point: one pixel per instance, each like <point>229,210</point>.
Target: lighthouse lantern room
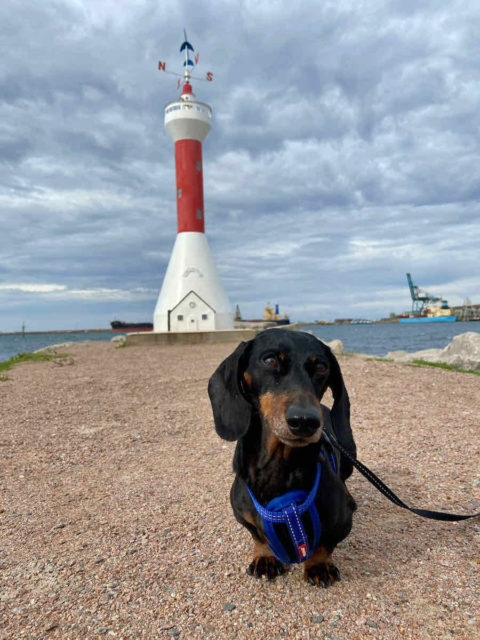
<point>192,296</point>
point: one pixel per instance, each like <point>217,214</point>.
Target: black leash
<point>382,487</point>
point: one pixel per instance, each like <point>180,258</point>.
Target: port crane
<point>421,299</point>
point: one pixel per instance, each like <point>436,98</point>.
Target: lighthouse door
<point>192,323</point>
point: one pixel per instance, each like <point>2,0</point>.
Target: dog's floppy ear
<point>340,415</point>
<point>231,410</point>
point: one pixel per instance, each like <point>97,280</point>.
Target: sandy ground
<point>115,520</point>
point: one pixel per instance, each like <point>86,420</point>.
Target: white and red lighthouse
<point>192,297</point>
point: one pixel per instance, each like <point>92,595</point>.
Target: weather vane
<point>189,64</point>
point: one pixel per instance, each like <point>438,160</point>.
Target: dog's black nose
<point>303,421</point>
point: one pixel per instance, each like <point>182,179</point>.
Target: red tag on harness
<point>302,550</point>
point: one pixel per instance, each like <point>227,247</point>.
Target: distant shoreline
<point>36,333</point>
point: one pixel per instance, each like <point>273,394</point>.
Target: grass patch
<point>378,359</point>
<point>3,377</point>
<point>443,365</point>
<point>29,357</point>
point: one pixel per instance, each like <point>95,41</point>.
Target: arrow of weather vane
<point>189,64</point>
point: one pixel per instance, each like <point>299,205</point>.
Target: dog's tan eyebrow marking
<point>282,356</point>
<point>248,378</point>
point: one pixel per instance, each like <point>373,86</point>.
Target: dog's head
<point>281,375</point>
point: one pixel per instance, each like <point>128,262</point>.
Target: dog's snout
<point>303,421</point>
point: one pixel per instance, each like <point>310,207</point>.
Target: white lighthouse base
<point>192,297</point>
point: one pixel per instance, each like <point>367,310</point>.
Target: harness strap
<point>382,487</point>
<point>284,510</point>
<point>273,516</point>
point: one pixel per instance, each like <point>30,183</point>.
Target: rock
<point>63,362</point>
<point>430,355</point>
<point>54,348</point>
<point>228,606</point>
<point>118,340</point>
<point>51,627</point>
<point>335,345</point>
<point>395,355</point>
<point>318,619</point>
<point>463,352</point>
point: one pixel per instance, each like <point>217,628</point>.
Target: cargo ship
<point>429,319</point>
<point>118,325</point>
<point>271,317</point>
<point>426,307</point>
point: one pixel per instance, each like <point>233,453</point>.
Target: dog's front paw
<point>267,566</point>
<point>322,574</point>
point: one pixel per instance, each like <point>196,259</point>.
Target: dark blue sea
<point>379,339</point>
<point>11,345</point>
<point>375,339</point>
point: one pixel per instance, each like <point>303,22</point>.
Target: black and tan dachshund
<point>289,490</point>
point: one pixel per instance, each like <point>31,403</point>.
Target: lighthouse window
<point>179,193</point>
<point>180,318</point>
<point>199,166</point>
<point>204,316</point>
<point>199,214</point>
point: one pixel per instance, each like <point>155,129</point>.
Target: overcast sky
<point>344,152</point>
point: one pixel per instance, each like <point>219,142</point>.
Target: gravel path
<point>115,520</point>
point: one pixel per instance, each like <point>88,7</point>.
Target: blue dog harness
<point>290,514</point>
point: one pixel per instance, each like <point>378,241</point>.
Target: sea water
<point>12,345</point>
<point>374,339</point>
<point>379,339</point>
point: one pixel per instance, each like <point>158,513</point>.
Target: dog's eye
<point>270,361</point>
<point>320,367</point>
